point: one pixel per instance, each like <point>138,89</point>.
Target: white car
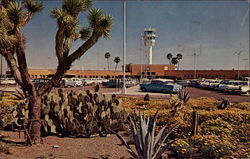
<point>237,87</point>
<point>68,83</point>
<point>89,81</point>
<point>245,89</point>
<point>7,81</point>
<point>223,84</point>
<point>214,83</point>
<point>78,81</point>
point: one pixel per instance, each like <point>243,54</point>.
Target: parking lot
<point>135,91</point>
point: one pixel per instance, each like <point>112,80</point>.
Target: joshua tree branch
<point>23,68</point>
<point>66,63</point>
<point>59,41</point>
<point>84,47</point>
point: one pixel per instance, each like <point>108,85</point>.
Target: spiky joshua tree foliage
<point>14,16</point>
<point>147,144</point>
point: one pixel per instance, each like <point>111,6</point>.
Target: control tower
<point>149,41</point>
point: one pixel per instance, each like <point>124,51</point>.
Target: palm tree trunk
<point>115,67</point>
<point>108,63</point>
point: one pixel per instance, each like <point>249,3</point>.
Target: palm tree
<point>179,57</point>
<point>14,16</point>
<point>169,57</point>
<point>116,60</point>
<point>107,56</point>
<point>174,60</point>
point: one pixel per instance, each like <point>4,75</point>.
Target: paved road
<point>194,92</point>
<point>135,91</point>
<point>199,92</point>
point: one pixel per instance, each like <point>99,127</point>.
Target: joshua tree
<point>169,57</point>
<point>14,16</point>
<point>179,57</point>
<point>107,56</point>
<point>116,60</point>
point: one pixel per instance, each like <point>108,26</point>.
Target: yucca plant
<point>147,145</point>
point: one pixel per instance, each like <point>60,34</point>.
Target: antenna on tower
<point>238,56</point>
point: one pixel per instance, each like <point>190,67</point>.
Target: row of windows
<point>205,76</point>
<point>149,73</point>
<point>79,76</point>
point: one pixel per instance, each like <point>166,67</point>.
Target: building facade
<point>45,73</point>
<point>144,71</point>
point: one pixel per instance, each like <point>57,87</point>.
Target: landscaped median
<point>214,132</point>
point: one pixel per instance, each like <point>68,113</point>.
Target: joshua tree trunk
<point>35,123</point>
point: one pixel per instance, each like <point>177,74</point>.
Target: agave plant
<point>147,145</point>
<point>178,103</point>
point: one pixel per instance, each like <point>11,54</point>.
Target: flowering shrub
<point>242,132</point>
<point>218,130</point>
<point>181,148</point>
<point>212,146</point>
<point>216,127</point>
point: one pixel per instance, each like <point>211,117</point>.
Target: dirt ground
<point>69,148</point>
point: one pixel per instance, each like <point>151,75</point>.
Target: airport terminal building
<point>144,71</point>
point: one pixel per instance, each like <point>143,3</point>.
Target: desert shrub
<point>181,148</point>
<point>216,127</point>
<point>212,146</point>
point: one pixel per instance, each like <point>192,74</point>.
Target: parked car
<point>222,85</point>
<point>118,83</point>
<point>213,84</point>
<point>245,89</point>
<point>184,83</point>
<point>236,87</point>
<point>67,83</point>
<point>194,83</point>
<point>38,82</point>
<point>90,81</point>
<point>206,83</point>
<point>7,81</point>
<point>161,85</point>
<point>113,83</point>
<point>78,81</point>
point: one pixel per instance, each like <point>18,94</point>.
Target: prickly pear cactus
<point>81,114</point>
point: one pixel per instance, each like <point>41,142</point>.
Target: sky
<point>221,28</point>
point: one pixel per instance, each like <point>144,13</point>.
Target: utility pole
<point>195,55</point>
<point>238,58</point>
<point>124,44</point>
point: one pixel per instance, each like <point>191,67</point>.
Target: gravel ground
<point>69,148</point>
